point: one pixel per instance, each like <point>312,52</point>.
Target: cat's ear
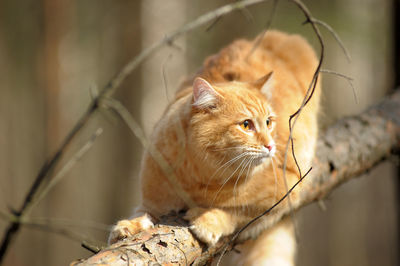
<point>265,84</point>
<point>204,95</point>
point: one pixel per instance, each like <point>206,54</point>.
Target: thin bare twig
<point>151,148</point>
<point>164,75</point>
<point>267,26</point>
<point>65,169</point>
<point>49,226</point>
<point>335,35</point>
<point>202,20</point>
<point>347,78</point>
<point>44,172</point>
<point>292,121</point>
<point>77,237</point>
<point>19,217</point>
<point>244,11</point>
<point>311,89</point>
<point>247,14</point>
<point>213,24</point>
<point>310,92</point>
<point>90,247</point>
<point>236,235</point>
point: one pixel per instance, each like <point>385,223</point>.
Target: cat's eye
<point>269,121</point>
<point>247,125</point>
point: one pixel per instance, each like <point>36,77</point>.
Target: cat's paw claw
<point>205,235</point>
<point>127,228</point>
<point>204,225</point>
<point>120,231</point>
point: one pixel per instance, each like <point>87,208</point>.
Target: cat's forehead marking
<point>249,104</point>
<point>253,111</point>
<point>269,111</point>
<point>257,107</point>
<point>247,112</point>
<point>259,104</point>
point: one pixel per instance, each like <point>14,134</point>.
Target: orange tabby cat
<point>225,135</point>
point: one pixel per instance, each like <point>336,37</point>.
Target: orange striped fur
<point>225,135</point>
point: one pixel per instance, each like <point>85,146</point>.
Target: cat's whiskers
<point>228,148</point>
<point>252,155</point>
<point>205,158</point>
<point>244,166</point>
<point>225,166</point>
<point>237,179</point>
<point>227,179</point>
<point>218,163</point>
<point>253,150</point>
<point>249,166</point>
<point>221,161</point>
<point>276,178</point>
<point>246,205</point>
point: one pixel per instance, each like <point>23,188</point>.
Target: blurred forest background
<point>54,52</point>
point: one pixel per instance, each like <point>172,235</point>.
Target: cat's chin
<point>262,161</point>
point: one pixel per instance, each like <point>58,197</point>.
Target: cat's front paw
<point>208,224</point>
<point>127,228</point>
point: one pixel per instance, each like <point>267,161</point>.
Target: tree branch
<point>346,150</point>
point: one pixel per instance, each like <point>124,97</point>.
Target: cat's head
<point>232,124</point>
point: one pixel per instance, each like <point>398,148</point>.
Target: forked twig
<point>236,235</point>
<point>292,121</point>
<point>267,26</point>
<point>151,148</point>
<point>347,78</point>
<point>311,89</point>
<point>202,20</point>
<point>310,92</point>
<point>335,35</point>
<point>164,76</point>
<point>48,226</point>
<point>213,24</point>
<point>44,172</point>
<point>57,177</point>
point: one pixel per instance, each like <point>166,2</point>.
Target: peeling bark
<point>346,150</point>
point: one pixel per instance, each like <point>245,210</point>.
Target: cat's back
<point>290,56</point>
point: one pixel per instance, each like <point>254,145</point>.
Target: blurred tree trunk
<point>347,233</point>
<point>22,115</point>
<point>162,72</point>
<point>396,78</point>
<point>51,53</point>
<point>95,40</point>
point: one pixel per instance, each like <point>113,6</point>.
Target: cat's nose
<point>269,147</point>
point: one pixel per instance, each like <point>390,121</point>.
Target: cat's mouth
<point>259,156</point>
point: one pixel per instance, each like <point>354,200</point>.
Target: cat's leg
<point>140,221</point>
<point>209,225</point>
<point>274,247</point>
